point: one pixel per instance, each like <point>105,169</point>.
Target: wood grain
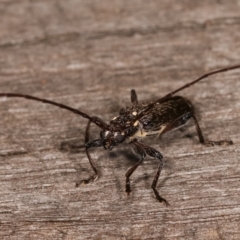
<point>89,55</point>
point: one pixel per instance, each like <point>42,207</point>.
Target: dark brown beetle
<point>138,121</point>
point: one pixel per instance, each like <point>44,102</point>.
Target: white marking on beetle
<point>136,123</point>
<point>134,113</point>
<point>141,133</point>
<point>106,133</point>
<point>116,133</point>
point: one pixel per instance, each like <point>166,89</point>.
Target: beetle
<point>136,122</point>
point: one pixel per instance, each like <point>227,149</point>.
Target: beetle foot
<point>219,143</point>
<point>159,198</point>
<point>128,189</point>
<point>87,181</point>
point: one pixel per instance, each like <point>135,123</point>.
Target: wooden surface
<point>89,55</point>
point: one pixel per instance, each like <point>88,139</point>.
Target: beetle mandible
<point>136,122</point>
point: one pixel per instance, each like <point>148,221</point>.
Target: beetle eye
<point>120,138</point>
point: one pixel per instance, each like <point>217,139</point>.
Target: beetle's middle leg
<point>208,143</point>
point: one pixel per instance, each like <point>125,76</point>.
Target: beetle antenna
<point>99,122</point>
<point>141,114</point>
<point>197,80</point>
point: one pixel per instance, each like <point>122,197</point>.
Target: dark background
<point>89,55</point>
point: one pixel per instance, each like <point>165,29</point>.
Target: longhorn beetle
<point>136,122</point>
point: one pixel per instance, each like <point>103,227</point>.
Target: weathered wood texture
<point>89,54</point>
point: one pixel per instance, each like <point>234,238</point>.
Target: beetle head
<point>111,139</point>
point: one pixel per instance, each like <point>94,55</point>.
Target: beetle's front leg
<point>209,143</point>
<point>94,143</point>
<point>144,149</point>
<point>155,154</point>
<point>139,150</point>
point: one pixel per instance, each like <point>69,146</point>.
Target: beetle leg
<point>143,149</point>
<point>134,98</point>
<point>155,154</point>
<point>139,150</point>
<point>209,143</point>
<point>94,143</point>
<point>87,132</point>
